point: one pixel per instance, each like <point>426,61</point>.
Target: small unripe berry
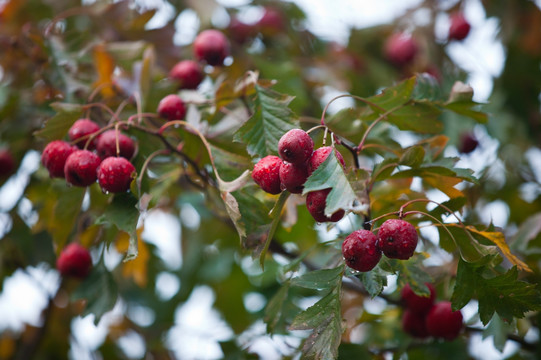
<point>400,49</point>
<point>320,155</point>
<point>293,177</point>
<point>295,146</point>
<point>459,28</point>
<point>316,202</point>
<point>81,168</point>
<point>443,322</point>
<point>74,261</point>
<point>361,251</point>
<point>211,46</point>
<point>414,324</point>
<point>7,163</point>
<point>54,157</point>
<point>172,107</point>
<point>416,303</point>
<point>187,74</point>
<point>82,128</point>
<point>397,239</point>
<point>266,174</point>
<point>106,146</point>
<point>467,143</point>
<point>115,174</point>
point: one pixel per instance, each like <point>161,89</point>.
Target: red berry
<point>316,202</point>
<point>400,49</point>
<point>211,46</point>
<point>414,324</point>
<point>54,157</point>
<point>81,168</point>
<point>320,155</point>
<point>82,128</point>
<point>293,177</point>
<point>106,145</point>
<point>360,250</point>
<point>115,174</point>
<point>295,146</point>
<point>172,107</point>
<point>240,32</point>
<point>459,28</point>
<point>266,174</point>
<point>271,22</point>
<point>7,163</point>
<point>187,73</point>
<point>74,261</point>
<point>443,322</point>
<point>397,239</point>
<point>416,303</point>
<point>468,143</point>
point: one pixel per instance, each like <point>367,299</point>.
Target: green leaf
<point>465,108</point>
<point>66,211</point>
<point>413,156</point>
<point>394,96</point>
<point>57,127</point>
<point>410,272</point>
<point>275,215</point>
<point>100,291</point>
<point>319,279</point>
<point>373,281</point>
<point>417,116</point>
<point>272,119</point>
<point>498,330</point>
<point>330,174</point>
<point>275,308</point>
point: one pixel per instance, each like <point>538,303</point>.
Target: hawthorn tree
<point>321,214</point>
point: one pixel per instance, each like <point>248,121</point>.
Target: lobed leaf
<point>57,127</point>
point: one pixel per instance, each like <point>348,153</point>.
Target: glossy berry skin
<point>414,324</point>
<point>295,146</point>
<point>74,261</point>
<point>7,163</point>
<point>316,202</point>
<point>106,146</point>
<point>187,74</point>
<point>459,28</point>
<point>416,303</point>
<point>397,239</point>
<point>468,143</point>
<point>266,174</point>
<point>443,322</point>
<point>54,157</point>
<point>81,168</point>
<point>361,251</point>
<point>320,155</point>
<point>172,107</point>
<point>400,49</point>
<point>293,177</point>
<point>115,174</point>
<point>211,46</point>
<point>81,128</point>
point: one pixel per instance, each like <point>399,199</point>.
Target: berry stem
<point>139,180</point>
<point>434,202</point>
<point>374,123</point>
<point>351,96</point>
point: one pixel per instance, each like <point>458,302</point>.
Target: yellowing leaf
<point>499,239</point>
<point>137,268</point>
<point>105,66</point>
<point>446,184</point>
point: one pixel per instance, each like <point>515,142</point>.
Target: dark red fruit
<point>397,239</point>
<point>443,322</point>
<point>400,49</point>
<point>54,157</point>
<point>82,128</point>
<point>295,146</point>
<point>414,324</point>
<point>361,251</point>
<point>416,303</point>
<point>240,32</point>
<point>293,177</point>
<point>211,46</point>
<point>74,261</point>
<point>7,163</point>
<point>459,28</point>
<point>106,145</point>
<point>316,202</point>
<point>272,22</point>
<point>81,168</point>
<point>266,174</point>
<point>172,107</point>
<point>115,174</point>
<point>468,143</point>
<point>187,74</point>
<point>320,155</point>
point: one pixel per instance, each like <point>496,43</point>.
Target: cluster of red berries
<point>396,239</point>
<point>99,161</point>
<point>423,317</point>
<point>296,163</point>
